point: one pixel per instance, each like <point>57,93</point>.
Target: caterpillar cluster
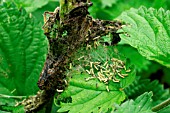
<point>110,70</point>
<point>107,71</point>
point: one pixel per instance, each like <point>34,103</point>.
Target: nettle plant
<point>79,64</point>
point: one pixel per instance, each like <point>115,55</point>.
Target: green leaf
<point>99,12</point>
<point>31,5</point>
<point>122,5</point>
<point>139,86</point>
<point>48,7</point>
<point>104,54</point>
<point>149,32</point>
<point>94,95</point>
<point>165,110</point>
<point>108,3</point>
<point>23,50</point>
<point>54,107</point>
<point>140,62</point>
<point>90,96</point>
<point>142,104</point>
<point>13,109</point>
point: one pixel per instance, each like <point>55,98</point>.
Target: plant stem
<point>13,97</point>
<point>161,105</point>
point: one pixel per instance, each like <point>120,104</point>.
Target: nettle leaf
<point>139,86</point>
<point>140,62</point>
<point>149,32</point>
<point>5,98</point>
<point>165,110</point>
<point>13,109</point>
<point>48,7</point>
<point>31,5</point>
<point>94,95</point>
<point>141,104</point>
<point>115,9</point>
<point>90,96</point>
<point>100,12</point>
<point>23,50</point>
<point>108,3</point>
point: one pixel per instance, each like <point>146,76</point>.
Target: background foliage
<point>23,49</point>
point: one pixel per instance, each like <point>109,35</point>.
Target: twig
<point>161,105</point>
<point>13,97</point>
